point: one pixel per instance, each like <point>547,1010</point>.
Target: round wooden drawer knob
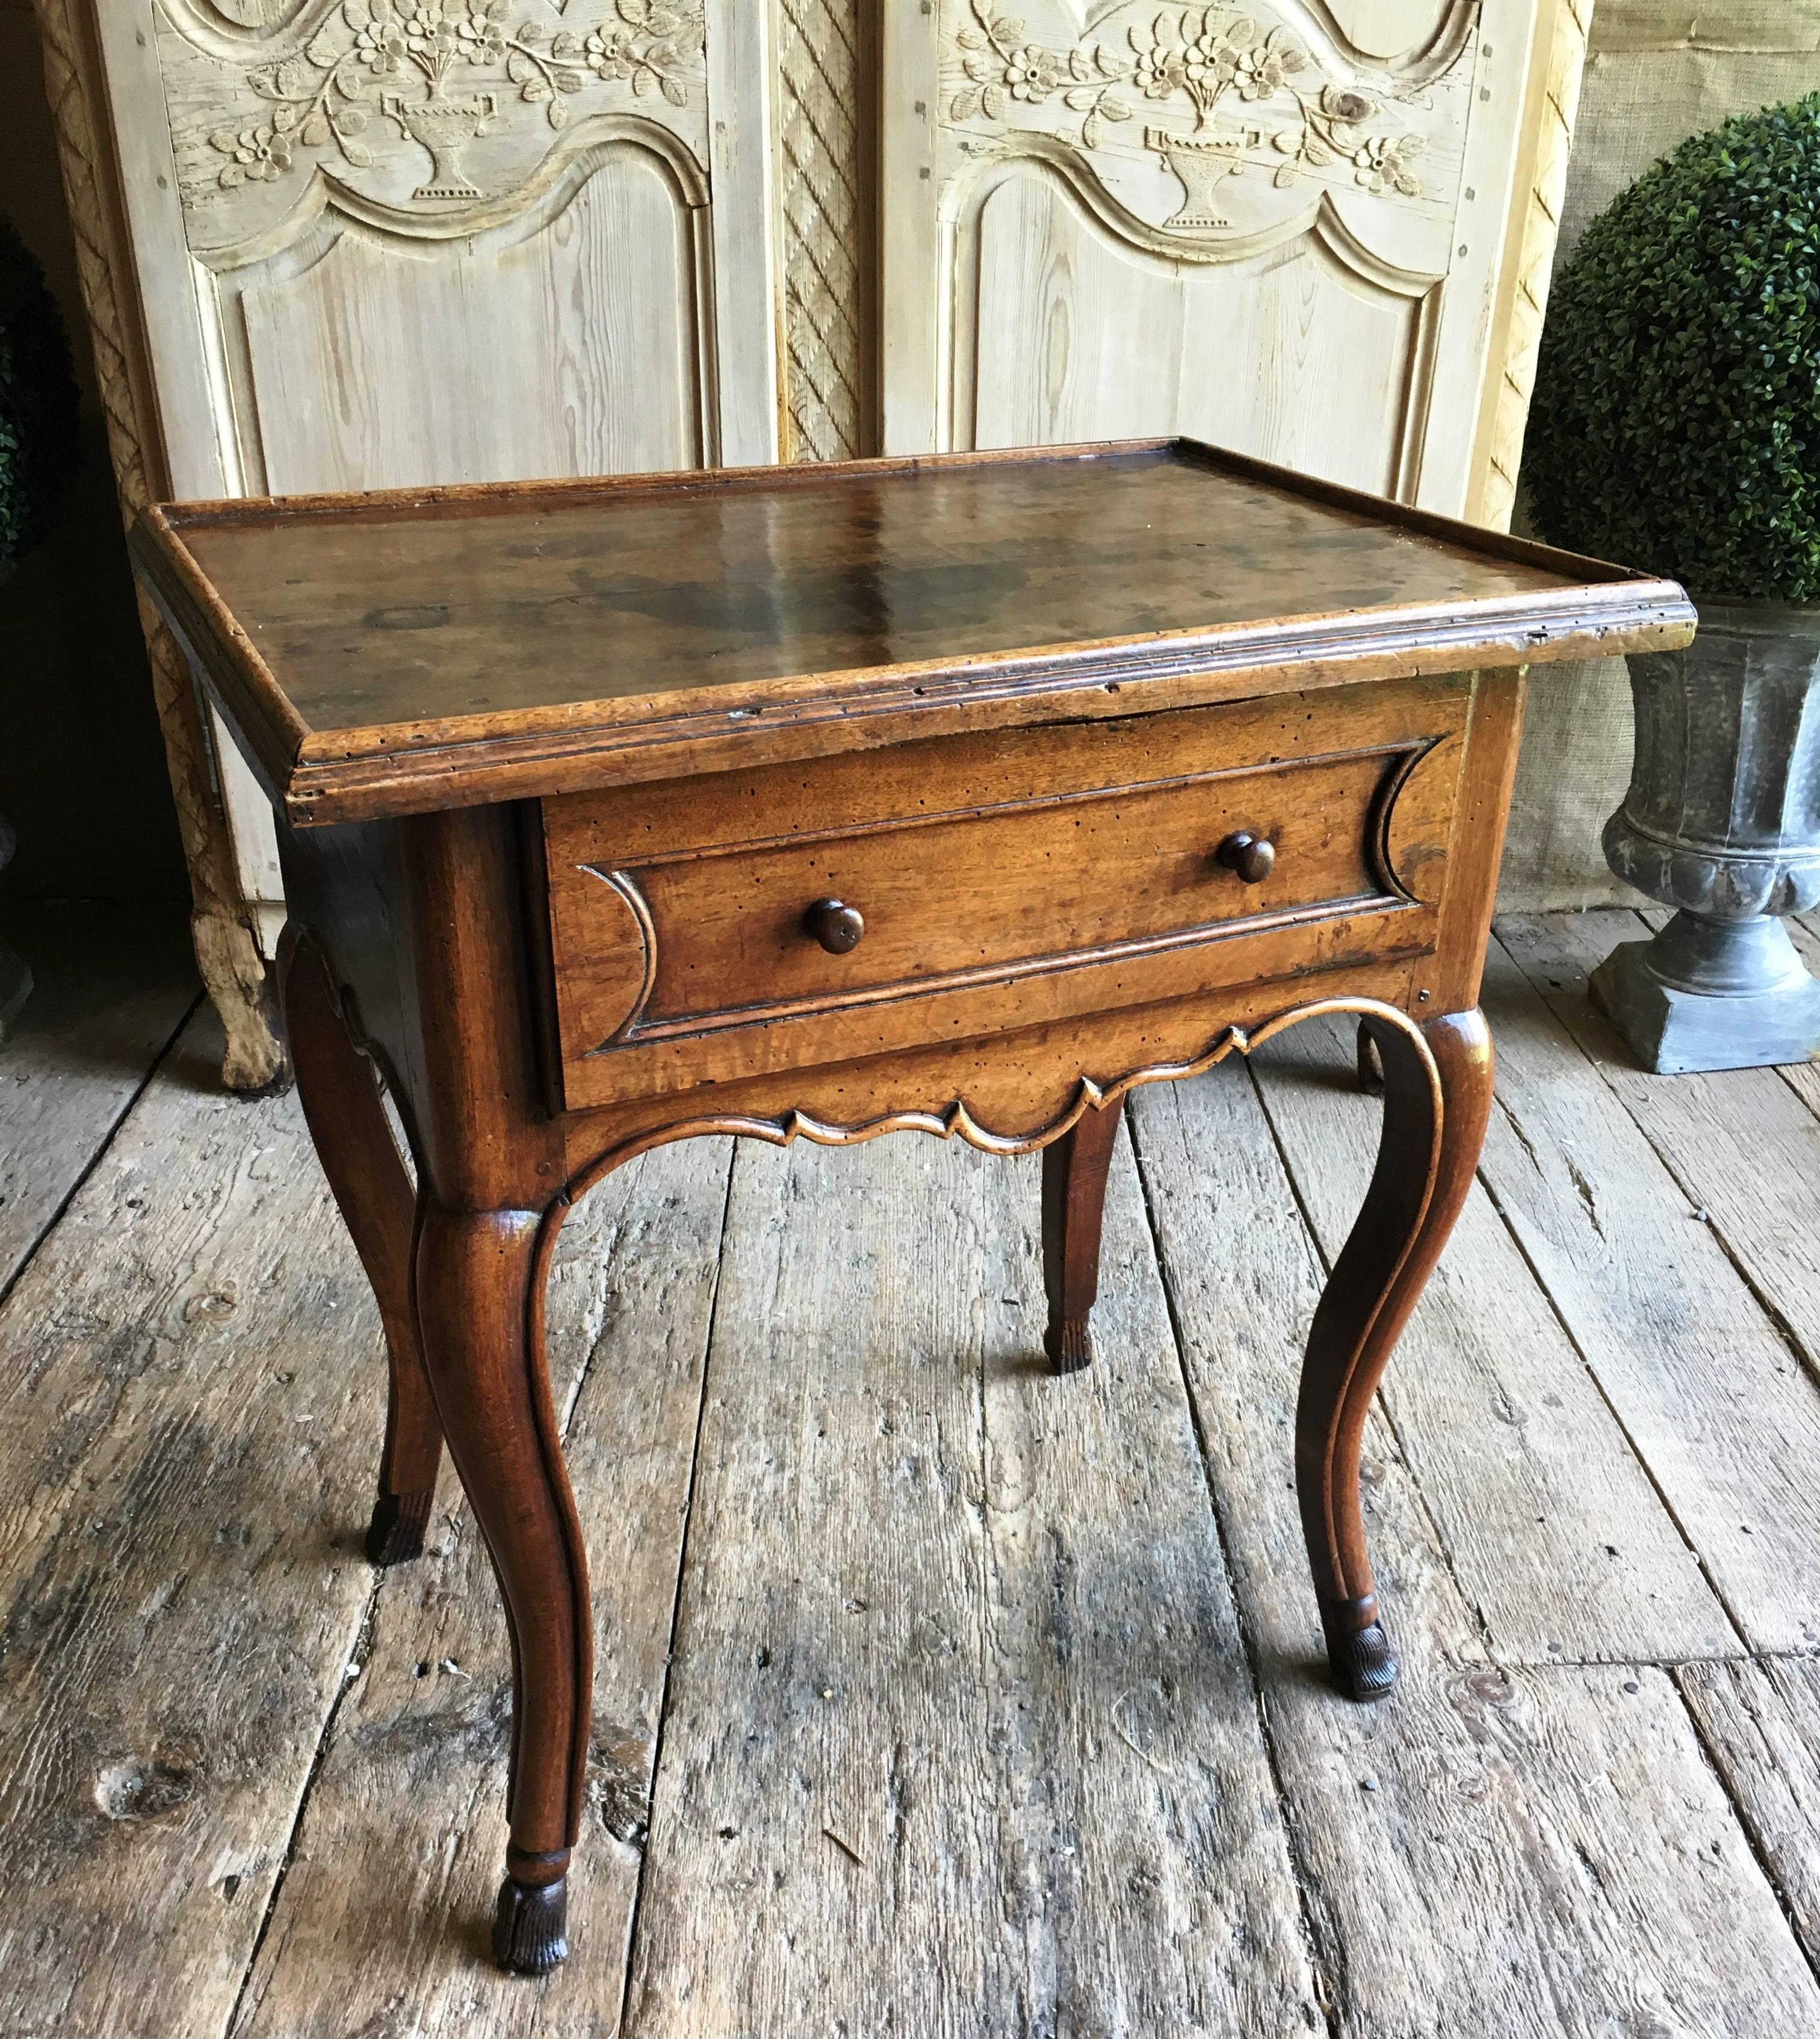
<point>837,926</point>
<point>1252,856</point>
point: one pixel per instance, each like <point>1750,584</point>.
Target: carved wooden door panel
<point>384,242</point>
<point>1293,227</point>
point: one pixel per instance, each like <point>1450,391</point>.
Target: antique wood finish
<point>407,651</point>
<point>1437,1098</point>
<point>680,914</point>
<point>752,805</point>
<point>339,1087</point>
<point>1073,1205</point>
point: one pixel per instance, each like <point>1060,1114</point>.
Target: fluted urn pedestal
<point>1722,822</point>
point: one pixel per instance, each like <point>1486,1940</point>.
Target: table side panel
<point>1449,983</point>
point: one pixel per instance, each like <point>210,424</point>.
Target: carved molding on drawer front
<point>642,962</point>
<point>637,978</point>
<point>1387,856</point>
<point>954,1118</point>
<point>1414,824</point>
<point>420,105</point>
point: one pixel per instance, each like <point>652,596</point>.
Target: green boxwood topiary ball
<point>38,401</point>
<point>1676,425</point>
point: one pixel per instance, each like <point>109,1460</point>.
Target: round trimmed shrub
<point>38,401</point>
<point>1676,425</point>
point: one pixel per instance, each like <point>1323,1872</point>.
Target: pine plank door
<point>379,243</point>
<point>1317,231</point>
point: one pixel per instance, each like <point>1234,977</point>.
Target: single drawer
<point>799,915</point>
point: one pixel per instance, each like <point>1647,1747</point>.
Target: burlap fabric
<point>1657,71</point>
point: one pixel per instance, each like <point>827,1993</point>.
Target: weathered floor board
<point>191,1388</point>
<point>1714,1403</point>
<point>1804,1079</point>
<point>1742,1143</point>
<point>1552,1528</point>
<point>997,1705</point>
<point>114,984</point>
<point>961,1739</point>
<point>1494,1851</point>
<point>1762,1723</point>
<point>402,1839</point>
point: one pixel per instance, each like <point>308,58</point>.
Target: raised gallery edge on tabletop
<point>1540,604</point>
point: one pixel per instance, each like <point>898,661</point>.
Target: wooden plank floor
<point>935,1696</point>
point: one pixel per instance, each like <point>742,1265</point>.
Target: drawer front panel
<point>1054,870</point>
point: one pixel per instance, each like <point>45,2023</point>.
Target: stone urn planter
<point>1677,427</point>
<point>1723,822</point>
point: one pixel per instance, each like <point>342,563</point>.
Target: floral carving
<point>1199,55</point>
<point>327,96</point>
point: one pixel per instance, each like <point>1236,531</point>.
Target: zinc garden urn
<point>1677,427</point>
<point>1723,822</point>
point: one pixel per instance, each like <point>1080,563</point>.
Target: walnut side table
<point>959,795</point>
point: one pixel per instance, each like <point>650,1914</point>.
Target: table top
<point>395,652</point>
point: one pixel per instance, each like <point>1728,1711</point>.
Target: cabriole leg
<point>340,1091</point>
<point>479,1280</point>
<point>1074,1203</point>
<point>1426,1160</point>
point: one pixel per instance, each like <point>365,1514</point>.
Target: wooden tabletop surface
<point>360,635</point>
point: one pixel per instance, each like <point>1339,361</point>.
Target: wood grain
<point>1744,1147</point>
<point>606,294</point>
<point>193,1368</point>
<point>1072,859</point>
<point>1047,954</point>
<point>1056,269</point>
<point>1006,1092</point>
<point>1761,1723</point>
<point>596,313</point>
<point>402,1830</point>
<point>1521,1850</point>
<point>1713,1401</point>
<point>957,1681</point>
<point>1080,337</point>
<point>1493,1850</point>
<point>374,653</point>
<point>1559,1540</point>
<point>114,984</point>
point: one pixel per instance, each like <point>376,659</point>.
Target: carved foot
<point>1070,1345</point>
<point>1363,1664</point>
<point>531,1927</point>
<point>395,1535</point>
